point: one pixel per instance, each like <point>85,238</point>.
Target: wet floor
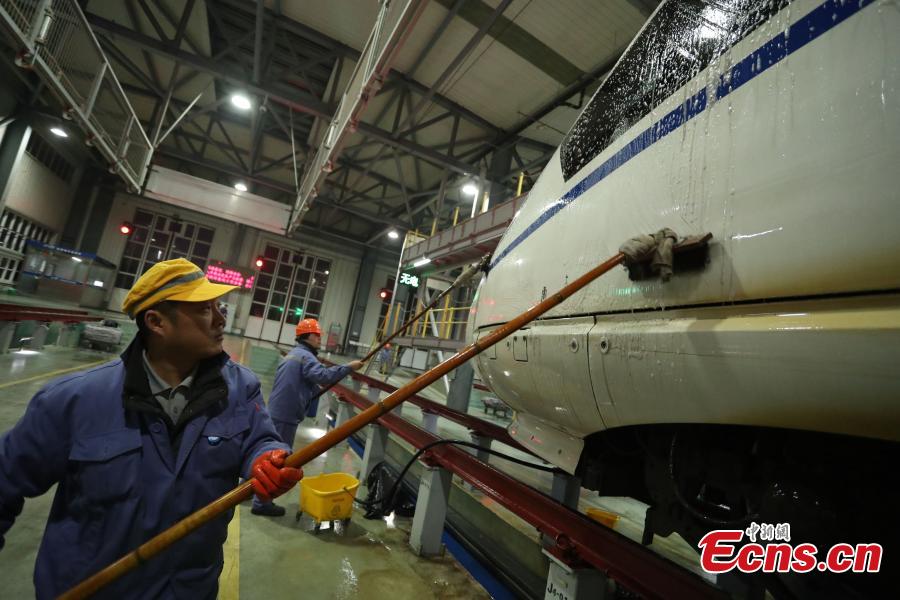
<point>370,559</point>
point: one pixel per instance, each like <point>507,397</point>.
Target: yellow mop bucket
<point>328,497</point>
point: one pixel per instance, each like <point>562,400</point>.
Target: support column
<point>566,489</point>
<point>99,215</point>
<point>429,422</point>
<point>334,458</point>
<point>374,396</point>
<point>79,216</point>
<point>325,403</point>
<point>376,446</point>
<point>344,413</point>
<point>15,138</point>
<point>68,335</point>
<point>39,337</point>
<point>7,329</point>
<point>431,511</point>
<point>484,442</point>
<point>501,161</point>
<point>360,301</point>
<point>461,388</point>
<point>564,582</point>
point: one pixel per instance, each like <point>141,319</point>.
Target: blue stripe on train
<point>820,20</point>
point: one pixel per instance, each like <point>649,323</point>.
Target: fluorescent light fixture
<point>59,132</point>
<point>98,283</point>
<point>422,261</point>
<point>76,259</point>
<point>393,234</point>
<point>240,186</point>
<point>470,189</point>
<point>240,101</point>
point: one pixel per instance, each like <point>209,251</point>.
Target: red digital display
<point>228,276</point>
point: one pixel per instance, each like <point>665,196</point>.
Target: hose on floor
<point>390,495</point>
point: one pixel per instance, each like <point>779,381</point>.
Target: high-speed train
<point>763,382</point>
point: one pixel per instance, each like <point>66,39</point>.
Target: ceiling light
<point>393,234</point>
<point>422,261</point>
<point>240,101</point>
<point>470,189</point>
<point>58,132</point>
<point>76,259</point>
<point>240,186</point>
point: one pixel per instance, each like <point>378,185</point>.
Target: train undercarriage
<point>830,489</point>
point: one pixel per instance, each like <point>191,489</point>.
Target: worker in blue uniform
<point>141,442</point>
<point>297,381</point>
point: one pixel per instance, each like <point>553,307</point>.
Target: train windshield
<point>683,38</point>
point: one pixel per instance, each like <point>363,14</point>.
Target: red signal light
<point>259,262</point>
<point>384,294</point>
<point>126,228</point>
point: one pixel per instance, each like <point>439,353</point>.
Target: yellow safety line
<point>53,373</point>
<point>230,579</point>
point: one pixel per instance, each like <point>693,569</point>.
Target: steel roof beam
<point>317,37</point>
<point>303,102</point>
<point>519,41</point>
<point>258,44</point>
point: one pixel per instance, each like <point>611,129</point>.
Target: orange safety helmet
<point>308,326</point>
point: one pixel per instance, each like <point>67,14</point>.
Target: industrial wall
<point>36,193</point>
<point>238,245</point>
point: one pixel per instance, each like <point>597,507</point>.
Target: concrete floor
<point>264,557</point>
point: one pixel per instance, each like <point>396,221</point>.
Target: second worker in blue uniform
<point>297,382</point>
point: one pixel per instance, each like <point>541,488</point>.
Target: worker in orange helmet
<point>297,381</point>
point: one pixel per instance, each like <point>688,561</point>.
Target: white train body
<point>787,150</point>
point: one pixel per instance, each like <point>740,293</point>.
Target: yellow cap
<point>176,279</point>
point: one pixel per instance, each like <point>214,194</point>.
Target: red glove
<point>270,478</point>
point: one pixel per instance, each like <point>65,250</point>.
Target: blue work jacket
<point>126,472</point>
<point>297,381</point>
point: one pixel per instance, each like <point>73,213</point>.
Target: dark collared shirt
<point>171,400</point>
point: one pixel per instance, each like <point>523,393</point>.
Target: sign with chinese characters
<point>410,280</point>
<point>220,273</point>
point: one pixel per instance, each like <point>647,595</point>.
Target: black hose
<point>393,491</point>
